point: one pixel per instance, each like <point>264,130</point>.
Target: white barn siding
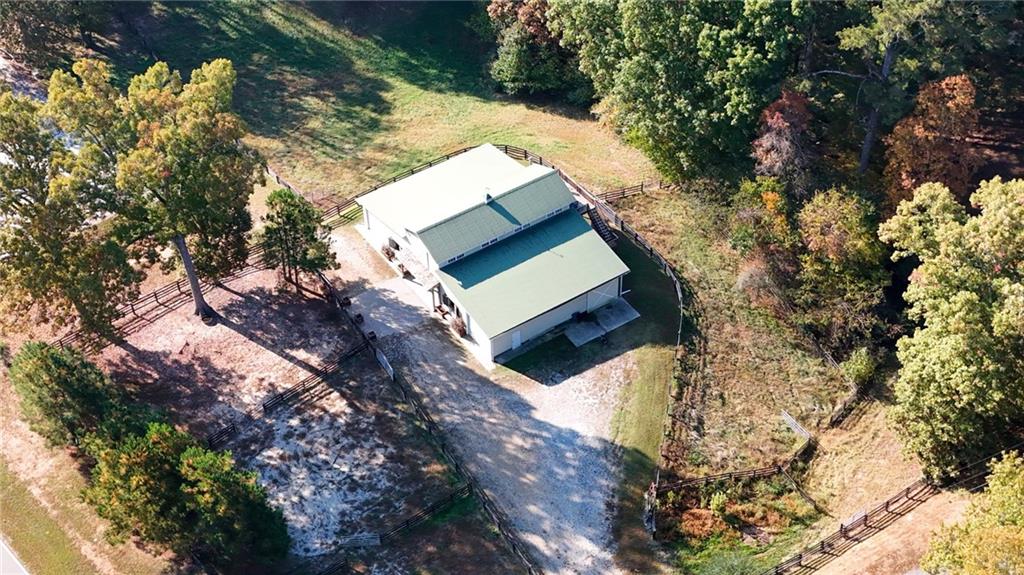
<point>603,294</point>
<point>539,325</point>
<point>593,299</point>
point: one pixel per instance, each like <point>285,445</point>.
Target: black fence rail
<point>427,512</point>
<point>617,194</point>
<point>759,472</point>
<point>801,454</point>
<point>287,397</point>
<point>149,307</point>
<point>849,534</point>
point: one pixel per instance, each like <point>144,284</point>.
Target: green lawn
<point>340,95</point>
<point>30,531</point>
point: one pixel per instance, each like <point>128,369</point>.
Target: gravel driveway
<point>542,451</point>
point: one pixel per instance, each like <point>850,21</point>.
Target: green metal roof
<point>531,272</point>
<point>540,193</point>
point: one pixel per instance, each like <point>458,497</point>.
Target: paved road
<point>9,563</point>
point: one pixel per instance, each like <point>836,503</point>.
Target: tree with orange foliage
<point>930,145</point>
<point>782,150</point>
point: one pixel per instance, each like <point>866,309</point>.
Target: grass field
<point>340,95</point>
<point>755,366</point>
<point>38,540</point>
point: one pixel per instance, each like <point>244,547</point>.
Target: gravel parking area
<point>541,449</point>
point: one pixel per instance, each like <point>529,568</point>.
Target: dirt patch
<point>899,547</point>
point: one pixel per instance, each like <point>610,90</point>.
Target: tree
<point>64,397</point>
<point>56,258</point>
<point>530,59</point>
<point>33,29</point>
<point>294,238</point>
<point>958,395</point>
<point>167,490</point>
<point>904,42</point>
<point>990,541</point>
<point>685,80</point>
<point>233,517</point>
<point>782,149</point>
<point>931,144</point>
<point>168,160</point>
<point>841,276</point>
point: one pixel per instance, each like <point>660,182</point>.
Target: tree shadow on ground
<point>556,481</point>
<point>289,75</point>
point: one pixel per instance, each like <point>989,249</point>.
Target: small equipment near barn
<point>500,245</point>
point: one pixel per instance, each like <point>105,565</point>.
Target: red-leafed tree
<point>931,144</point>
<point>783,149</point>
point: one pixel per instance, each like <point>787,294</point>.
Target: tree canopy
<point>990,540</point>
<point>166,158</point>
<point>172,493</point>
<point>294,238</point>
<point>958,394</point>
<point>64,397</point>
<point>686,80</point>
<point>931,144</point>
<point>841,275</point>
<point>59,259</point>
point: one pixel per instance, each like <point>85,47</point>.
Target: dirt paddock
<point>347,459</point>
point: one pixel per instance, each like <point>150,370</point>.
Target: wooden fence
<point>427,512</point>
<point>434,432</point>
<point>614,195</point>
<point>851,533</point>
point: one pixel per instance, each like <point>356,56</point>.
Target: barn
<point>498,244</point>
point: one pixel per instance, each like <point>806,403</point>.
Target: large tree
<point>841,277</point>
<point>685,80</point>
<point>931,144</point>
<point>171,493</point>
<point>959,392</point>
<point>901,43</point>
<point>783,147</point>
<point>294,238</point>
<point>59,257</point>
<point>990,540</point>
<point>167,159</point>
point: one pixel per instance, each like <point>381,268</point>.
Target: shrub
<point>718,501</point>
<point>172,493</point>
<point>701,524</point>
<point>64,397</point>
<point>859,367</point>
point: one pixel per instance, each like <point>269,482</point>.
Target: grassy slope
<point>756,366</point>
<point>38,540</point>
<point>342,95</point>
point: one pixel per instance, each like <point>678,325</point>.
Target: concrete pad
<point>390,306</point>
<point>616,314</point>
<point>580,332</point>
<point>610,317</point>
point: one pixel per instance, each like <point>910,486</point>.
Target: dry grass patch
<point>754,366</point>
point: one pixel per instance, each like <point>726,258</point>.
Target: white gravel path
<point>541,449</point>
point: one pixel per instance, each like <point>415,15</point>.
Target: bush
<point>859,367</point>
<point>64,397</point>
<point>524,66</point>
<point>718,501</point>
<point>172,493</point>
